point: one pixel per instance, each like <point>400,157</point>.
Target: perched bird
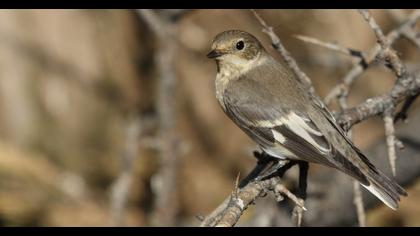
<point>265,99</point>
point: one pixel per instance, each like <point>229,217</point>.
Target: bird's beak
<point>214,54</point>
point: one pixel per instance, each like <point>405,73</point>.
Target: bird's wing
<point>275,124</point>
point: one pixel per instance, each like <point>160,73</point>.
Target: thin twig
<point>358,202</point>
<point>229,212</point>
<point>382,40</point>
<point>333,46</point>
<point>388,53</point>
<point>390,140</point>
<point>120,188</point>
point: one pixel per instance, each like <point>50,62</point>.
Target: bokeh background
<point>74,84</point>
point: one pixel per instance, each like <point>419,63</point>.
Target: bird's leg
<point>274,166</point>
<point>263,161</point>
<point>301,192</point>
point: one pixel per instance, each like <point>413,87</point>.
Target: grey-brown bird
<point>265,99</point>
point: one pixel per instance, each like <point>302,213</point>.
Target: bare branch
<point>387,52</point>
<point>164,182</point>
<point>382,40</point>
<point>402,89</point>
<point>358,68</point>
<point>333,46</point>
<point>390,140</point>
<point>229,212</point>
<point>358,202</point>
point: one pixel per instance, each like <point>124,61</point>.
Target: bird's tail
<point>387,190</point>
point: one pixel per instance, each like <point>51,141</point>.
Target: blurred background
<point>88,136</point>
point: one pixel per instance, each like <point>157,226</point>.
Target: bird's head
<point>235,47</point>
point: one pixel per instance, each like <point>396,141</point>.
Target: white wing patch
<point>279,150</point>
<point>298,125</point>
<point>268,123</point>
<point>302,122</point>
<point>278,137</point>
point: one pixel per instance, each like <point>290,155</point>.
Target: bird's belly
<point>280,152</point>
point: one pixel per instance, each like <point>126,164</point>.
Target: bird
<point>264,98</point>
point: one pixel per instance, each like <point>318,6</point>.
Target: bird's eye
<point>240,45</point>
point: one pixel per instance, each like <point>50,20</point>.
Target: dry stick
<point>229,212</point>
<point>359,68</point>
<point>401,90</point>
<point>400,71</point>
<point>165,181</point>
<point>376,29</point>
<point>390,140</point>
<point>358,202</point>
<point>121,186</point>
<point>333,46</point>
<point>388,53</point>
<point>244,197</point>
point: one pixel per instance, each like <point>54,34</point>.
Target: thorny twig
<point>358,68</point>
<point>398,67</point>
<point>229,212</point>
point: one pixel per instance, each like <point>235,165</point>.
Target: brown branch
<point>387,52</point>
<point>358,68</point>
<point>382,40</point>
<point>229,212</point>
<point>406,85</point>
<point>165,181</point>
<point>333,46</point>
